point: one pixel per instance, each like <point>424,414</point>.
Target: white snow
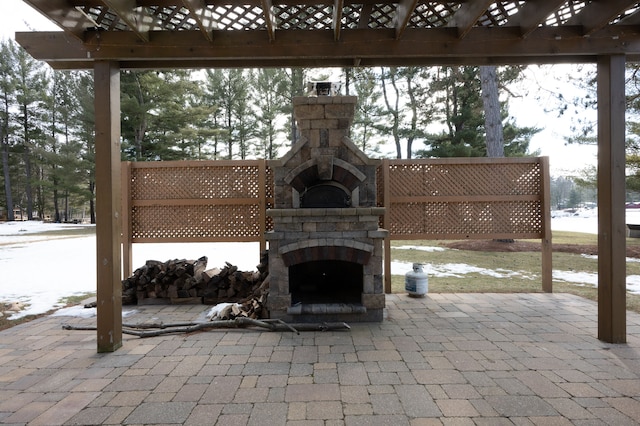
<point>40,270</point>
<point>429,249</point>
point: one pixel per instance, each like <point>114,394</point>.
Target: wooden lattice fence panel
<point>213,201</point>
<point>195,201</point>
<point>463,198</point>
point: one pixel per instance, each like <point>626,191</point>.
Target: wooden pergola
<point>110,35</point>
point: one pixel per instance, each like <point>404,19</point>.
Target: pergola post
<point>612,309</point>
<point>108,205</point>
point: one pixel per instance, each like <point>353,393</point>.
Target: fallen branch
<point>146,330</point>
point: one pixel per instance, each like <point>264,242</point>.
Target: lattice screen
<point>427,199</point>
<point>198,201</point>
<point>196,223</point>
<point>441,199</point>
<point>192,181</point>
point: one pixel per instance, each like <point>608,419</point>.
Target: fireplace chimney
<point>325,250</point>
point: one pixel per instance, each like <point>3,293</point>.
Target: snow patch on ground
<point>41,270</point>
<point>457,270</point>
<point>429,249</point>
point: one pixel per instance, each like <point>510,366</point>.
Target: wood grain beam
<point>365,15</point>
<point>108,205</point>
<point>466,17</point>
<point>269,19</point>
<point>202,15</point>
<point>247,49</point>
<point>597,14</point>
<point>403,13</point>
<point>137,19</point>
<point>532,14</point>
<point>72,20</point>
<point>337,18</point>
<point>632,19</point>
<point>612,276</point>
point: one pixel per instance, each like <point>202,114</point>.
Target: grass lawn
<point>527,264</point>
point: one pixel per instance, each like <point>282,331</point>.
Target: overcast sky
<point>15,15</point>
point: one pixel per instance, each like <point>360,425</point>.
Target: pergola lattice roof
<point>256,33</point>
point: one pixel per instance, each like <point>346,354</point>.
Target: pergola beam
<point>403,14</point>
<point>202,15</point>
<point>74,20</point>
<point>269,19</point>
<point>597,14</point>
<point>532,14</point>
<point>337,18</point>
<point>466,17</point>
<point>483,45</point>
<point>140,22</point>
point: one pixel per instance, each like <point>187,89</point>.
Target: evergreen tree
<point>368,110</point>
<point>7,92</point>
<point>297,78</point>
<point>85,125</point>
<point>31,89</point>
<point>271,89</point>
<point>408,109</point>
<point>459,95</point>
<point>229,90</point>
<point>457,92</point>
<point>155,109</point>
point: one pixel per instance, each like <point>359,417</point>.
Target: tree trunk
<point>92,205</point>
<point>393,110</point>
<point>27,165</point>
<point>7,177</point>
<point>492,117</point>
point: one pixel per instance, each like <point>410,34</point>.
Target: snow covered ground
<point>39,272</point>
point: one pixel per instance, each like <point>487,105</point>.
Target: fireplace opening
<point>327,195</point>
<point>326,281</point>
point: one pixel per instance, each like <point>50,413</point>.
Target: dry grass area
<point>573,252</point>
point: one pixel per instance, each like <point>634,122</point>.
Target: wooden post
<point>612,275</point>
<point>127,249</point>
<point>262,203</point>
<point>386,223</point>
<point>547,250</point>
<point>108,204</point>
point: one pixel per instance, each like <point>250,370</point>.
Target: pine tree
<point>229,91</point>
<point>368,111</point>
<point>31,91</point>
<point>271,89</point>
<point>7,91</point>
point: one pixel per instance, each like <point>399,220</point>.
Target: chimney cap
<point>323,88</point>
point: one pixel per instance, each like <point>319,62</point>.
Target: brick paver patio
<point>452,359</point>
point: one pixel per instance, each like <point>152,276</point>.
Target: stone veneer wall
<point>324,153</point>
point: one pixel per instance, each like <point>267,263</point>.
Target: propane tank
<point>416,282</point>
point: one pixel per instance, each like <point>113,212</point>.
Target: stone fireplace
<point>325,250</point>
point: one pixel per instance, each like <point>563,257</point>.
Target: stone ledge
<point>326,308</point>
<point>323,212</point>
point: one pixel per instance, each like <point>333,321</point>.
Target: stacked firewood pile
<point>189,281</point>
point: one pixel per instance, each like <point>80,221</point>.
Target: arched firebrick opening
<point>325,281</point>
<point>326,274</point>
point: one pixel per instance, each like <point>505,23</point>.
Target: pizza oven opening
<point>326,194</point>
<point>325,281</point>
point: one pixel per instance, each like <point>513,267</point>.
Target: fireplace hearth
<point>325,250</point>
